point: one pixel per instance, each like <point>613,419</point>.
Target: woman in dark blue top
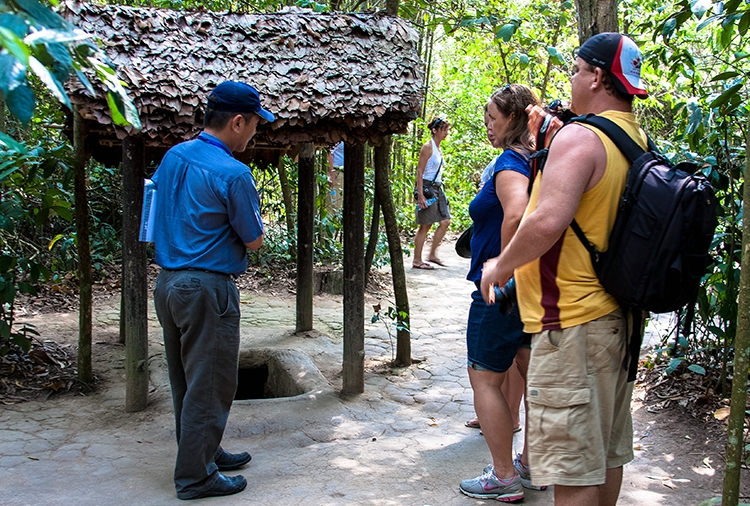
<point>492,337</point>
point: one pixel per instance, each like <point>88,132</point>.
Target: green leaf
<point>699,7</point>
<point>706,22</point>
<point>725,75</point>
<point>697,369</point>
<point>12,72</point>
<point>669,27</point>
<point>673,364</point>
<point>116,108</point>
<point>10,143</point>
<point>47,36</point>
<point>724,97</point>
<point>42,15</point>
<point>696,117</point>
<point>14,45</point>
<point>62,212</point>
<point>85,82</point>
<point>524,60</point>
<point>744,23</point>
<point>21,102</point>
<point>505,32</point>
<point>15,24</point>
<point>50,81</point>
<point>26,288</point>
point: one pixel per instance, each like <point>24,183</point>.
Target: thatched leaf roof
<point>327,77</point>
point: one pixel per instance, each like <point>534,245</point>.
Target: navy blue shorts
<point>492,338</point>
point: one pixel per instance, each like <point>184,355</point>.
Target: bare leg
<point>419,240</point>
<point>522,366</point>
<point>513,389</point>
<point>494,416</point>
<point>436,240</point>
<point>598,495</point>
<point>610,491</point>
<point>576,496</point>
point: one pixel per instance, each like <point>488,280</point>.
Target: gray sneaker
<point>525,474</point>
<point>489,486</point>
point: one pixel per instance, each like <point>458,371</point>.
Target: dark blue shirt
<point>487,214</point>
<point>207,208</point>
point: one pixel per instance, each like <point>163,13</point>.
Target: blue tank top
<point>487,214</point>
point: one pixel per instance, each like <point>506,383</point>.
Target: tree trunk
<point>391,8</point>
<point>286,195</point>
<point>596,16</point>
<point>85,373</point>
<point>735,435</point>
<point>134,290</point>
<point>383,190</point>
<point>372,241</point>
<point>353,373</point>
<point>305,236</point>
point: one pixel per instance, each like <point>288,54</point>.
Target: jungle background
<point>696,66</point>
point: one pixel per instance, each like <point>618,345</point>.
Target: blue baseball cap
<point>232,96</point>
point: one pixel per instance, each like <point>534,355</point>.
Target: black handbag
<point>463,244</point>
<point>427,189</point>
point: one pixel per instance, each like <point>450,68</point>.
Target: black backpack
<point>658,247</point>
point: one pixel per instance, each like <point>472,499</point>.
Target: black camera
<point>505,297</point>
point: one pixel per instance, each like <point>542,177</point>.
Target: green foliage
<point>29,199</point>
<point>700,108</point>
<point>390,318</point>
<point>33,38</point>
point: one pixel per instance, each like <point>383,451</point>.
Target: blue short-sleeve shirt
<point>487,214</point>
<point>207,208</point>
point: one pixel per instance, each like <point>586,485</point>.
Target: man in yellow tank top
<point>580,426</point>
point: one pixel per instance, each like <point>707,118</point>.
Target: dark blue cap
<point>231,96</point>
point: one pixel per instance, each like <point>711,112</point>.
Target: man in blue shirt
<point>207,215</point>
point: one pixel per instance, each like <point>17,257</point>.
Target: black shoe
<point>231,461</point>
<point>225,485</point>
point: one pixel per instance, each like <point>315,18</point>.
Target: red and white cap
<point>618,55</point>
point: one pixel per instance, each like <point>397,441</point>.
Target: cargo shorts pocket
<point>558,392</point>
<point>558,418</point>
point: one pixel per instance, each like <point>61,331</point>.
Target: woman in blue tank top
<point>493,338</point>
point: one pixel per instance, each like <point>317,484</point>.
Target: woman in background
<point>430,175</point>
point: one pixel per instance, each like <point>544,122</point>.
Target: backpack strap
<point>593,252</point>
<point>626,145</point>
<point>622,140</point>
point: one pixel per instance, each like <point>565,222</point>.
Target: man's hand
<point>493,275</point>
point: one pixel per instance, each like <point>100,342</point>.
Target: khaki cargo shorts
<point>579,420</point>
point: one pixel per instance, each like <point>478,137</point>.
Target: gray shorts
<point>437,212</point>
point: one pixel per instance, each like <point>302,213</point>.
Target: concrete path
<point>402,442</point>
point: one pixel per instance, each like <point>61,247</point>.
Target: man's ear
<point>236,122</point>
<point>598,77</point>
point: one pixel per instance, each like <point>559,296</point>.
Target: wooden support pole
<point>134,298</point>
<point>382,161</point>
<point>305,237</point>
<point>85,371</point>
<point>353,373</point>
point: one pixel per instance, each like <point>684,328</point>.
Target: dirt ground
<point>679,443</point>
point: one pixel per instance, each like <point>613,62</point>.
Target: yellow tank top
<point>560,289</point>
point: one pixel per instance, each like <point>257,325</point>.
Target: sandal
<point>437,261</point>
<point>472,424</point>
<point>423,265</point>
